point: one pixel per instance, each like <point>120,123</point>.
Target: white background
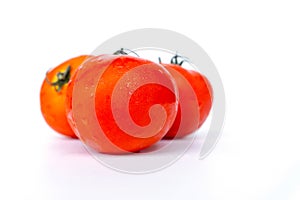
<point>255,46</point>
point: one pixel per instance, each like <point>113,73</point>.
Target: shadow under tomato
<point>66,146</point>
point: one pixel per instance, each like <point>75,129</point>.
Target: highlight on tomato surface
<point>53,95</point>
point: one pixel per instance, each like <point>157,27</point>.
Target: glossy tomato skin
<point>195,101</point>
<point>52,99</point>
<point>121,104</point>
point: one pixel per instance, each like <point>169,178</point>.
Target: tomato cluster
<point>119,103</point>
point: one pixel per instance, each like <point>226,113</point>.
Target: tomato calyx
<point>124,51</point>
<point>175,60</point>
<point>62,79</point>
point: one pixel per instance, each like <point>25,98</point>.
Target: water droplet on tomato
<point>84,121</point>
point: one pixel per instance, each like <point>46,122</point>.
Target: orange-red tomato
<point>195,100</point>
<point>53,95</point>
<point>119,104</point>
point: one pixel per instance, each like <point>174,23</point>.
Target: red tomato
<point>195,100</point>
<point>53,95</point>
<point>119,104</point>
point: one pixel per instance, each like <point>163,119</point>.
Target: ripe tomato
<point>53,95</point>
<point>119,103</point>
<point>195,100</point>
